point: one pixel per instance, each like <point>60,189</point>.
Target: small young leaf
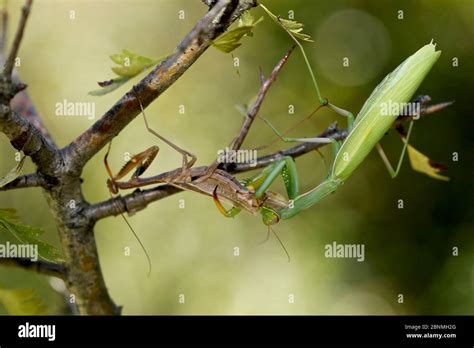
<point>130,65</point>
<point>22,302</point>
<point>230,40</point>
<point>421,163</point>
<point>9,222</point>
<point>293,27</point>
<point>13,174</point>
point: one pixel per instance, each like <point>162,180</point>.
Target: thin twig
<point>4,25</point>
<point>42,267</point>
<point>252,113</point>
<point>258,102</point>
<point>24,181</point>
<point>7,71</point>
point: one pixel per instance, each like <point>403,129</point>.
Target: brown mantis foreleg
<point>186,164</point>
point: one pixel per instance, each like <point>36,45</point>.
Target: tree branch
<point>23,181</point>
<point>23,105</point>
<point>139,199</point>
<point>155,83</point>
<point>4,26</point>
<point>23,134</point>
<point>25,11</point>
<point>42,267</point>
<point>76,230</point>
<point>25,137</point>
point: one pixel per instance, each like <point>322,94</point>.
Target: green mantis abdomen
<point>376,117</point>
<point>371,124</point>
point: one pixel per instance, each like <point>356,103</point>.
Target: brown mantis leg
<point>186,164</point>
<point>139,162</point>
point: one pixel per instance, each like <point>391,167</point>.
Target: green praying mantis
<point>364,134</point>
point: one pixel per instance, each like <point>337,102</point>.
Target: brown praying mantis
<point>206,180</point>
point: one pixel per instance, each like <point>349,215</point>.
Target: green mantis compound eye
<point>269,216</point>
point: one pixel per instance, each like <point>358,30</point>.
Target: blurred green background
<point>407,251</point>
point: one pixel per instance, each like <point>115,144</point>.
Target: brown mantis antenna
<point>279,240</point>
<point>114,190</point>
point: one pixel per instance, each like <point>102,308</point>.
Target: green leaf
<point>13,174</point>
<point>10,223</point>
<point>130,65</point>
<point>230,40</point>
<point>293,27</point>
<point>22,302</point>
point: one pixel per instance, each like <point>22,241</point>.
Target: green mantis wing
<point>371,124</point>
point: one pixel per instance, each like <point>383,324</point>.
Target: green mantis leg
<point>393,173</point>
<point>286,167</point>
<point>345,113</point>
<point>334,143</point>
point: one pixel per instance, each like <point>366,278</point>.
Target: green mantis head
<point>269,216</point>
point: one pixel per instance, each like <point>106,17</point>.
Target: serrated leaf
<point>421,163</point>
<point>230,40</point>
<point>22,302</point>
<point>25,234</point>
<point>294,27</point>
<point>130,65</point>
<point>13,174</point>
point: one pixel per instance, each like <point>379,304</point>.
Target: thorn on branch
<point>18,87</point>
